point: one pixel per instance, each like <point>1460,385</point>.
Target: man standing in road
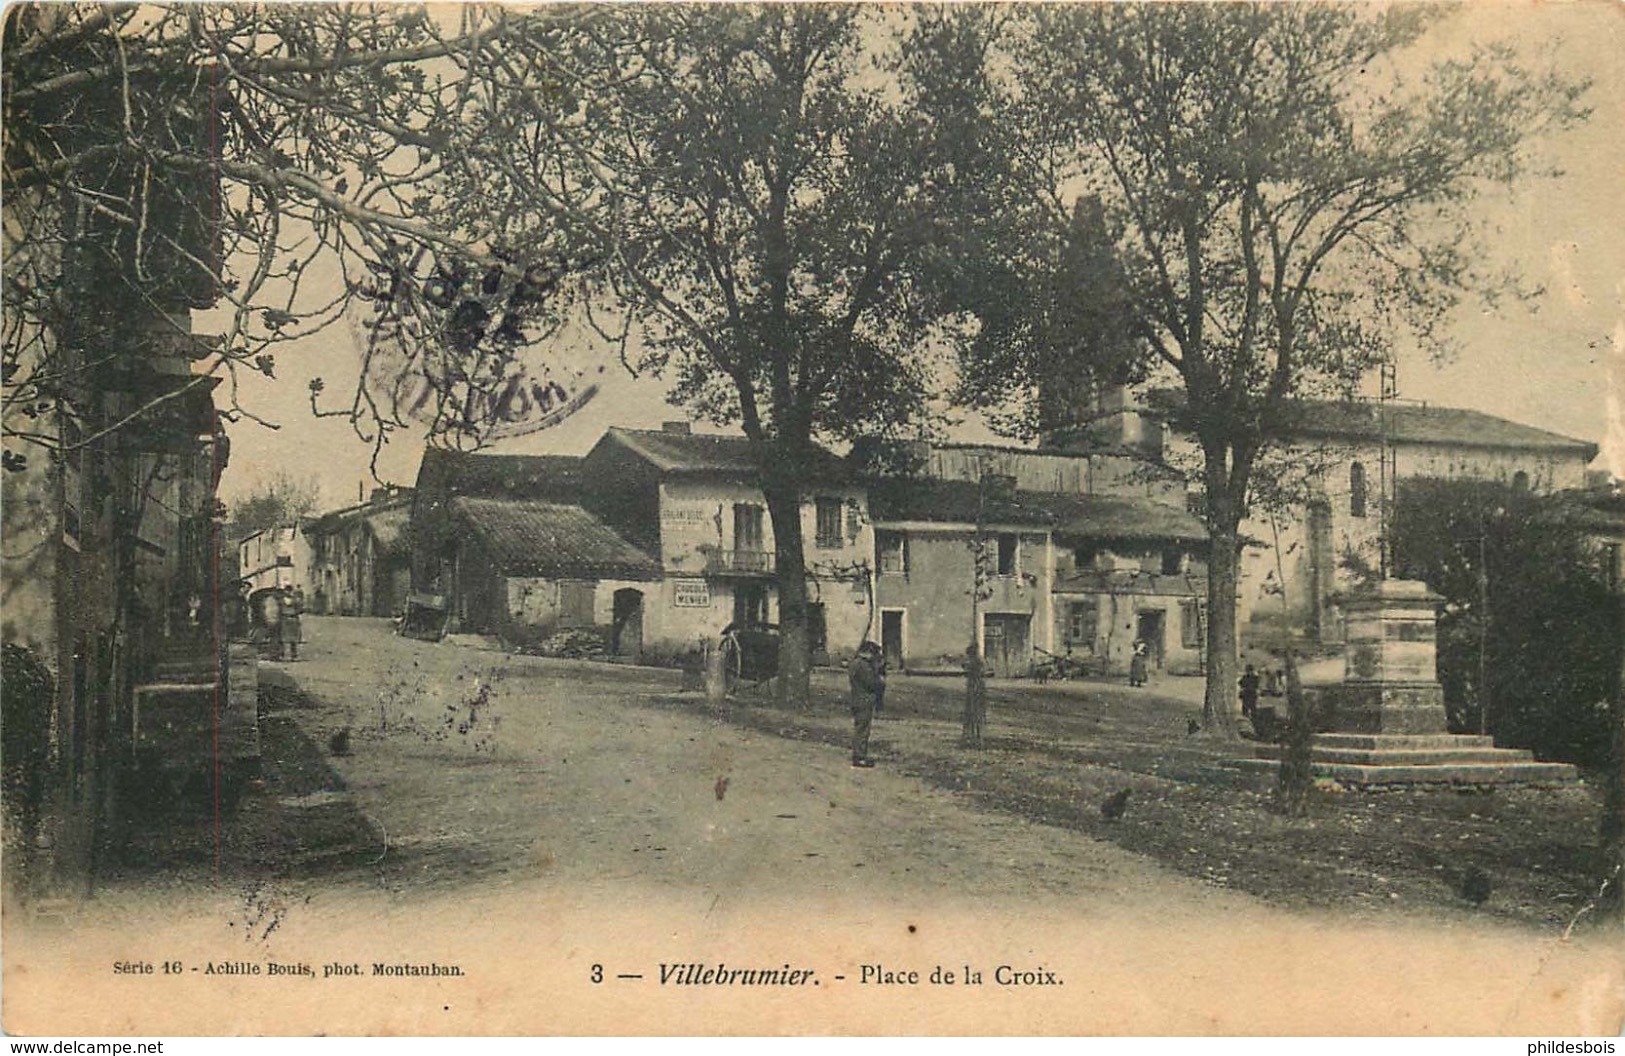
<point>867,683</point>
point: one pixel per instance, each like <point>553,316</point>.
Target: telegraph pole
<point>1387,470</point>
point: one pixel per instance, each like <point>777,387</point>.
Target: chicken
<point>1476,885</point>
<point>1115,806</point>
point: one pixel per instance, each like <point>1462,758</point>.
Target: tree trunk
<point>974,718</point>
<point>795,647</point>
<point>1219,699</point>
<point>1297,771</point>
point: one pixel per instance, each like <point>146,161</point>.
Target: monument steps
<point>1407,756</point>
<point>1464,774</point>
<point>1388,713</point>
<point>1375,759</point>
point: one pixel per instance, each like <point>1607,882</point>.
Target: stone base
<point>1379,707</point>
<point>1425,759</point>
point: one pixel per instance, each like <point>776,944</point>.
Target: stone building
<point>1352,457</point>
<point>1081,556</point>
<point>663,535</point>
<point>360,559</point>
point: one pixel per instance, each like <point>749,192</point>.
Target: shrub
<point>1547,641</point>
<point>26,689</point>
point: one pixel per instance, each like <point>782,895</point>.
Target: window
<point>828,535</point>
<point>750,603</point>
<point>1007,554</point>
<point>1173,560</point>
<point>575,603</point>
<point>747,526</point>
<point>1357,490</point>
<point>1085,557</point>
<point>891,552</point>
<point>818,630</point>
<point>1082,619</point>
<point>1520,481</point>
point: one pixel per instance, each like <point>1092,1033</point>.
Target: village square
<point>1152,463</point>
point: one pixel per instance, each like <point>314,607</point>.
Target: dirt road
<point>549,828</point>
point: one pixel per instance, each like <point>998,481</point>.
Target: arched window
<point>1520,481</point>
<point>1357,490</point>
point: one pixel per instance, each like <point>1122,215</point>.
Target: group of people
<point>276,623</point>
<point>1251,683</point>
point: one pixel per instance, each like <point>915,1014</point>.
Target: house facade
<point>360,560</point>
<point>1344,462</point>
<point>279,556</point>
<point>695,504</point>
<point>657,540</point>
<point>1354,455</point>
<point>110,518</point>
<point>1082,565</point>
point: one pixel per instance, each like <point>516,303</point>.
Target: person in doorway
<point>1249,691</point>
<point>1137,663</point>
<point>867,682</point>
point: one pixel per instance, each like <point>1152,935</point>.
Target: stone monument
<point>1390,663</point>
<point>1385,723</point>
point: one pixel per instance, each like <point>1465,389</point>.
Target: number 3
<point>597,973</point>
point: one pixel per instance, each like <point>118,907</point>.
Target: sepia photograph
<point>813,519</point>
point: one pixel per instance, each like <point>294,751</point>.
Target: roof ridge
<point>502,500</point>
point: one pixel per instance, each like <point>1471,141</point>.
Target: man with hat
<point>868,682</point>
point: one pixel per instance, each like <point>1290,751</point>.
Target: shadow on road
<point>295,819</point>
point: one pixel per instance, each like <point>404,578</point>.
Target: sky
<point>1557,363</point>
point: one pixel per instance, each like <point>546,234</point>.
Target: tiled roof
<point>953,502</point>
<point>1081,516</point>
<point>1123,517</point>
<point>549,539</point>
<point>333,520</point>
<point>389,529</point>
<point>711,453</point>
<point>1424,424</point>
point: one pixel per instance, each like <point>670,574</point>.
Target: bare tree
<point>767,184</point>
<point>282,499</point>
<point>166,158</point>
<point>1282,207</point>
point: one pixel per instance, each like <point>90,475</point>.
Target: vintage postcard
<point>875,519</point>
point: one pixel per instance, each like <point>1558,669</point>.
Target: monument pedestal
<point>1386,722</point>
<point>1390,663</point>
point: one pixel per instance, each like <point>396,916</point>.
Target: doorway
<point>626,627</point>
<point>1150,628</point>
<point>1005,643</point>
<point>891,638</point>
<point>750,604</point>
